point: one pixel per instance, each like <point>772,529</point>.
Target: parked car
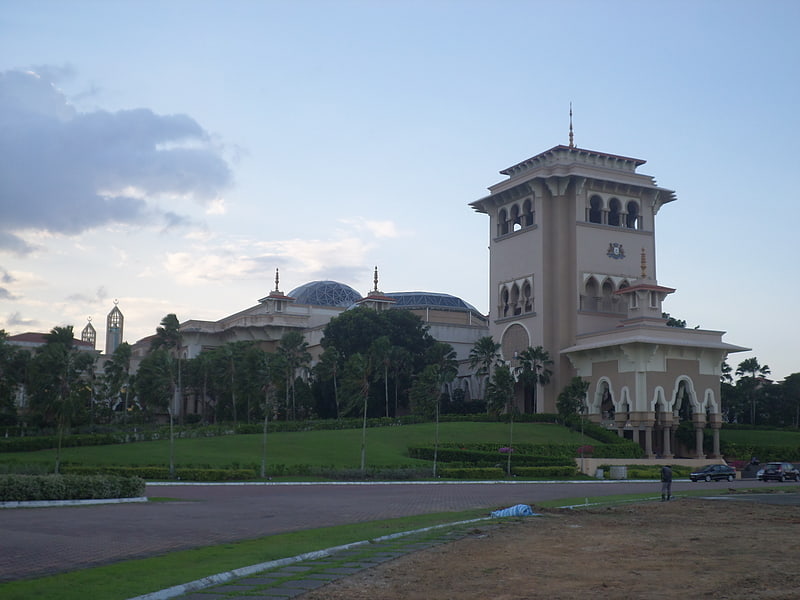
<point>780,471</point>
<point>714,473</point>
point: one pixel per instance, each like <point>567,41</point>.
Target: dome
<point>411,300</point>
<point>325,293</point>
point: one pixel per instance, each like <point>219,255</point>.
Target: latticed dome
<point>411,300</point>
<point>325,293</point>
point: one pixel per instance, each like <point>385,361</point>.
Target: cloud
<point>379,229</point>
<point>6,278</point>
<point>339,257</point>
<point>16,319</point>
<point>100,296</point>
<point>66,172</point>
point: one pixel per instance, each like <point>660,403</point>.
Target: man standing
<point>666,483</point>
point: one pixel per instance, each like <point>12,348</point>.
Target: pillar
<point>648,441</point>
<point>698,437</point>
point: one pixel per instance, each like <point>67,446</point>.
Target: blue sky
<point>173,154</point>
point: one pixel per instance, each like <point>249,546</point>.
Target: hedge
<point>162,473</point>
<point>563,471</point>
<point>467,473</point>
<point>24,488</point>
<point>764,453</point>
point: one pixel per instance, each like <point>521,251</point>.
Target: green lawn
<point>386,446</point>
<point>757,437</point>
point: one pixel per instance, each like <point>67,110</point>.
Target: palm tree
<point>381,350</point>
<point>57,371</point>
<point>484,355</point>
<point>293,349</point>
<point>535,371</point>
<point>751,371</point>
<point>117,371</point>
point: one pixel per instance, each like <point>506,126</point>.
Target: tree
<point>354,331</point>
<point>500,390</point>
<point>534,371</point>
<point>327,369</point>
<point>13,366</point>
<point>117,375</point>
<point>293,349</point>
<point>59,381</point>
<point>381,351</point>
<point>572,399</point>
<point>752,374</point>
<point>672,321</point>
<point>483,357</point>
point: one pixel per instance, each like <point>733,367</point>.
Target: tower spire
<point>277,279</point>
<point>571,136</point>
<point>375,279</point>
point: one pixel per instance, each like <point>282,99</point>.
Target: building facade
<point>573,270</point>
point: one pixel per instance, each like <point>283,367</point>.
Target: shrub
<point>554,472</point>
<point>23,488</point>
<point>479,474</point>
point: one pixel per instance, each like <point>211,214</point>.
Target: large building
<point>309,307</point>
<point>573,270</point>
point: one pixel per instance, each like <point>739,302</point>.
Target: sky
<point>171,155</point>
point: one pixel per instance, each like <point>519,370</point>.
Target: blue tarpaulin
<point>519,510</point>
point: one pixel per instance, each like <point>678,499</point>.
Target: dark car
<point>780,471</point>
<point>714,473</point>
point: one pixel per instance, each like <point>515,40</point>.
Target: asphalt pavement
<point>44,541</point>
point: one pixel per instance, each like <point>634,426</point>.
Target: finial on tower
<point>277,279</point>
<point>376,279</point>
<point>571,137</point>
<point>644,264</point>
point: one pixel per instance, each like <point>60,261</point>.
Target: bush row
<point>162,473</point>
<point>499,473</point>
<point>477,457</point>
<point>24,488</point>
<point>45,442</point>
<point>739,451</point>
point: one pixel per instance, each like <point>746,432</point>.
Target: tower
<point>565,229</point>
<point>114,326</point>
<point>89,334</point>
<point>572,269</point>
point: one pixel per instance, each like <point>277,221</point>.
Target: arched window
<point>596,209</point>
<point>591,295</point>
<point>514,299</point>
<point>613,212</point>
<point>503,302</point>
<point>632,219</point>
<point>527,297</point>
<point>502,222</point>
<point>607,301</point>
<point>516,222</point>
<point>527,210</point>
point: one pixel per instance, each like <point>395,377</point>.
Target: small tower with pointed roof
<point>376,299</point>
<point>89,334</point>
<point>115,323</point>
<point>277,300</point>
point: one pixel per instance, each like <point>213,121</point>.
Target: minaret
<point>375,299</point>
<point>114,325</point>
<point>276,301</point>
<point>89,334</point>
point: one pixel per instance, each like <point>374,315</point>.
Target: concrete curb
<point>44,503</point>
<point>199,584</point>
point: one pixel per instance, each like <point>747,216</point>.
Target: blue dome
<point>411,300</point>
<point>325,293</point>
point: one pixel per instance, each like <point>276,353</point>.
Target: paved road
<point>39,541</point>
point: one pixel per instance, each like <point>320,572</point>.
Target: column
<point>667,439</point>
<point>648,441</point>
<point>698,436</point>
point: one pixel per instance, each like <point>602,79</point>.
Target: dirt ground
<point>687,548</point>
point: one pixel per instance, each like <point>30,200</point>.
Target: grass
<point>386,446</point>
<point>757,437</point>
<point>137,577</point>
